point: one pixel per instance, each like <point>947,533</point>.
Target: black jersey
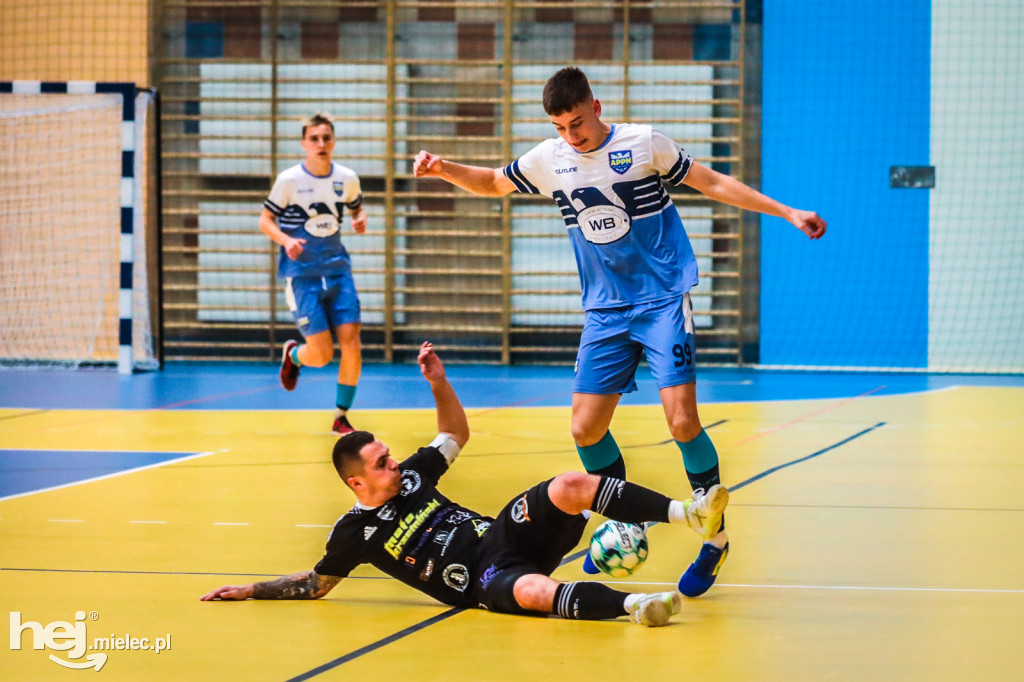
<point>419,536</point>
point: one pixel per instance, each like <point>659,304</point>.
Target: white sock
<point>676,512</point>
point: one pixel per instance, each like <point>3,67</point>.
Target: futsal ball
<point>619,549</point>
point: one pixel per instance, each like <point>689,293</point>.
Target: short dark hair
<point>317,119</point>
<point>566,89</point>
<point>347,460</point>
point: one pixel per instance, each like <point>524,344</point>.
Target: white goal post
<point>74,278</point>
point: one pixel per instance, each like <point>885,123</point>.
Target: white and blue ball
<point>619,549</point>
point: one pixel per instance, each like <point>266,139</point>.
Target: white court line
<point>836,587</point>
<point>106,476</point>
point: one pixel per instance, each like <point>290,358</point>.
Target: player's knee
<point>535,592</point>
<point>584,434</point>
<point>573,491</point>
<point>350,346</point>
<point>317,356</point>
<point>684,426</point>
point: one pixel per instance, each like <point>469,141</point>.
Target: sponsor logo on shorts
<point>489,575</point>
<point>456,576</point>
<point>520,511</point>
<point>410,482</point>
<point>480,527</point>
<point>427,571</point>
<point>458,517</point>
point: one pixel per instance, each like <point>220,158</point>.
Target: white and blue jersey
<point>311,207</point>
<point>629,242</point>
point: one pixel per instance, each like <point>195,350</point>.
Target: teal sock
<point>603,457</point>
<point>700,458</point>
<point>344,395</point>
<point>294,355</point>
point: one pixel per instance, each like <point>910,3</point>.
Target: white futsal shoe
<point>655,610</point>
<point>704,510</point>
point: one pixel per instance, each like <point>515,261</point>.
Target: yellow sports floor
<point>894,551</point>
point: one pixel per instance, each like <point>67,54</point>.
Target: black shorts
<point>530,535</point>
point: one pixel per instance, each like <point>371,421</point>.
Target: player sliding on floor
<point>636,267</point>
<point>405,527</point>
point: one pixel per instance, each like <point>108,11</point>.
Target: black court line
<point>378,644</point>
<point>569,559</point>
<point>766,472</point>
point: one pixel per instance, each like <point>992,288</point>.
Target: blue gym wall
<point>846,95</point>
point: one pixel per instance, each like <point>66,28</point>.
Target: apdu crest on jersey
<point>620,162</point>
<point>339,187</point>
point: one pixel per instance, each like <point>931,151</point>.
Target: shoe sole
<point>284,361</point>
<point>719,501</point>
<point>656,612</point>
<point>714,501</point>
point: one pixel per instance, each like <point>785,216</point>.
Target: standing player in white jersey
<point>304,214</point>
<point>636,268</point>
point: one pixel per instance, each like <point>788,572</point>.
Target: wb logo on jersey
<point>603,224</point>
<point>620,162</point>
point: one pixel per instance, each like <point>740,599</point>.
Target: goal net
<point>74,284</point>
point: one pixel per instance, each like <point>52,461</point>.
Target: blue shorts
<point>615,339</point>
<point>322,303</point>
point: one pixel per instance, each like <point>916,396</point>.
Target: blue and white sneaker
<point>703,572</point>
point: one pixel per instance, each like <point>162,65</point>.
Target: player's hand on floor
<point>229,593</point>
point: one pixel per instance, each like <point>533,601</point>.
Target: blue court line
<point>27,472</point>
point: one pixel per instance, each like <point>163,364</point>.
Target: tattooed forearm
<point>306,585</point>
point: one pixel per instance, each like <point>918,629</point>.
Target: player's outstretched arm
<point>307,585</point>
<point>729,190</point>
<point>451,418</point>
<point>488,182</point>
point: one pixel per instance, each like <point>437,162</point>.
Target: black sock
<point>629,502</point>
<point>616,469</point>
<point>704,480</point>
<point>588,601</point>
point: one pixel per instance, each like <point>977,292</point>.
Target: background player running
<point>405,527</point>
<point>304,214</point>
<point>636,268</point>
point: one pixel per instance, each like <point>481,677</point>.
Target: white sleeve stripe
<point>448,447</point>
